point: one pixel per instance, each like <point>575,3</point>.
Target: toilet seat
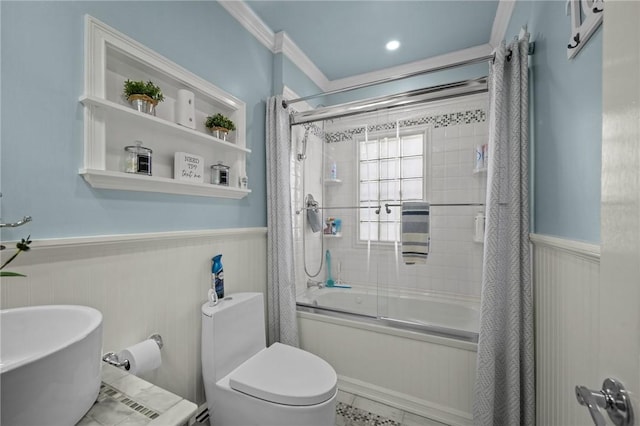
<point>285,375</point>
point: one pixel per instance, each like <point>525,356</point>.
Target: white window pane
<point>412,189</point>
<point>369,231</point>
<point>412,167</point>
<point>368,191</point>
<point>388,231</point>
<point>389,169</point>
<point>369,170</point>
<point>389,148</point>
<point>390,190</point>
<point>369,150</point>
<point>368,213</point>
<point>395,213</point>
<point>412,145</point>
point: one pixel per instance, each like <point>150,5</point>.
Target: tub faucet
<point>312,283</point>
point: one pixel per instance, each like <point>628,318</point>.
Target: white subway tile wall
<point>454,267</point>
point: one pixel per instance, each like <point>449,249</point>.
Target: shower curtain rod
<point>429,94</point>
<point>478,60</point>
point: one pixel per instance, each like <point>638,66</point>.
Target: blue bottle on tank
<point>217,275</point>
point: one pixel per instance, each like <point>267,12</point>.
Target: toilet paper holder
<point>113,359</point>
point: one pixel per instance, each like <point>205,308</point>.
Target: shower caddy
<point>110,123</point>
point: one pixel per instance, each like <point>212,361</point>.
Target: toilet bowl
<point>247,383</point>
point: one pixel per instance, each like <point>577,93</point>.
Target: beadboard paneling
<point>427,375</point>
<point>143,284</point>
<point>566,289</point>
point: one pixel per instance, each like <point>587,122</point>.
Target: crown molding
<point>435,61</point>
<point>284,44</point>
<point>250,21</point>
<point>501,21</point>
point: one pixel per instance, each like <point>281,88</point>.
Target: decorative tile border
<point>357,417</point>
<point>437,121</point>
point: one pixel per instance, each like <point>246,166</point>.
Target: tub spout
<point>312,283</point>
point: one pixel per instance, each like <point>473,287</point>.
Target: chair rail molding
<point>578,248</point>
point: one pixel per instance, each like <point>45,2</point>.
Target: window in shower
<point>392,170</point>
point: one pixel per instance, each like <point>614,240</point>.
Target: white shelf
<point>110,124</point>
<point>331,182</point>
<point>105,179</point>
<point>127,113</point>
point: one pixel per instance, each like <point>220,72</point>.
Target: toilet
<point>248,384</point>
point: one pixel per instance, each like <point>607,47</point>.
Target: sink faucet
<point>312,283</point>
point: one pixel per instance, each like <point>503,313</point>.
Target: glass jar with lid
<point>220,174</point>
<point>138,159</point>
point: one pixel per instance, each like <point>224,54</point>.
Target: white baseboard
<point>405,402</point>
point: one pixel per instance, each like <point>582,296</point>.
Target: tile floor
<point>355,410</point>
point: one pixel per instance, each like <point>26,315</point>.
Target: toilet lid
<point>285,375</point>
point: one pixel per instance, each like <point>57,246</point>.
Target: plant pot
<point>143,103</point>
<point>220,133</point>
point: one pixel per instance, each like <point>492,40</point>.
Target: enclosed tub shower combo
<point>373,312</point>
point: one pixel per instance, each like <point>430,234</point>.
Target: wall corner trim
<point>284,44</point>
<point>501,21</point>
<point>250,21</point>
<point>578,248</point>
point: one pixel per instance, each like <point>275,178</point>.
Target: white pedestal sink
<point>50,366</point>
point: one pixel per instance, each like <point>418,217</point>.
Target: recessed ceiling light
<point>393,45</point>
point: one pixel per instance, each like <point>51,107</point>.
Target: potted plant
<point>220,126</point>
<point>143,96</point>
<point>20,247</point>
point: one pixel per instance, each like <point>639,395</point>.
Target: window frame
<point>425,132</point>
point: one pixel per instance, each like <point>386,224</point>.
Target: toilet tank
<point>232,332</point>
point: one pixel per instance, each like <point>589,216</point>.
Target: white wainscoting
<point>427,375</point>
<point>566,278</point>
<point>142,284</point>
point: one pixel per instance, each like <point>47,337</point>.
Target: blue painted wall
<point>566,126</point>
<point>42,130</point>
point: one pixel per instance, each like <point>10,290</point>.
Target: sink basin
<point>50,369</point>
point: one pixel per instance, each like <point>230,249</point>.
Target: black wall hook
<point>577,40</point>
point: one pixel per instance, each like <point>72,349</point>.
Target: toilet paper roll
<point>144,356</point>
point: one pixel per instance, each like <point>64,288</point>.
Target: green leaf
<point>10,274</point>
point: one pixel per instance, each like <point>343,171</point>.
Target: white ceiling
<point>341,43</point>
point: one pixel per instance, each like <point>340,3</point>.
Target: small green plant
<point>21,246</point>
<point>141,88</point>
<point>219,120</point>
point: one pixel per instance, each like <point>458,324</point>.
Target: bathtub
<point>429,314</point>
<point>413,352</point>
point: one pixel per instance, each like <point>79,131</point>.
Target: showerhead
<point>303,155</point>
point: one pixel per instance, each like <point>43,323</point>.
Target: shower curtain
<point>504,393</point>
<point>281,297</point>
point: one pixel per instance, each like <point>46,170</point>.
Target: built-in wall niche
<point>111,123</point>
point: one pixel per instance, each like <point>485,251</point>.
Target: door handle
<point>613,398</point>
